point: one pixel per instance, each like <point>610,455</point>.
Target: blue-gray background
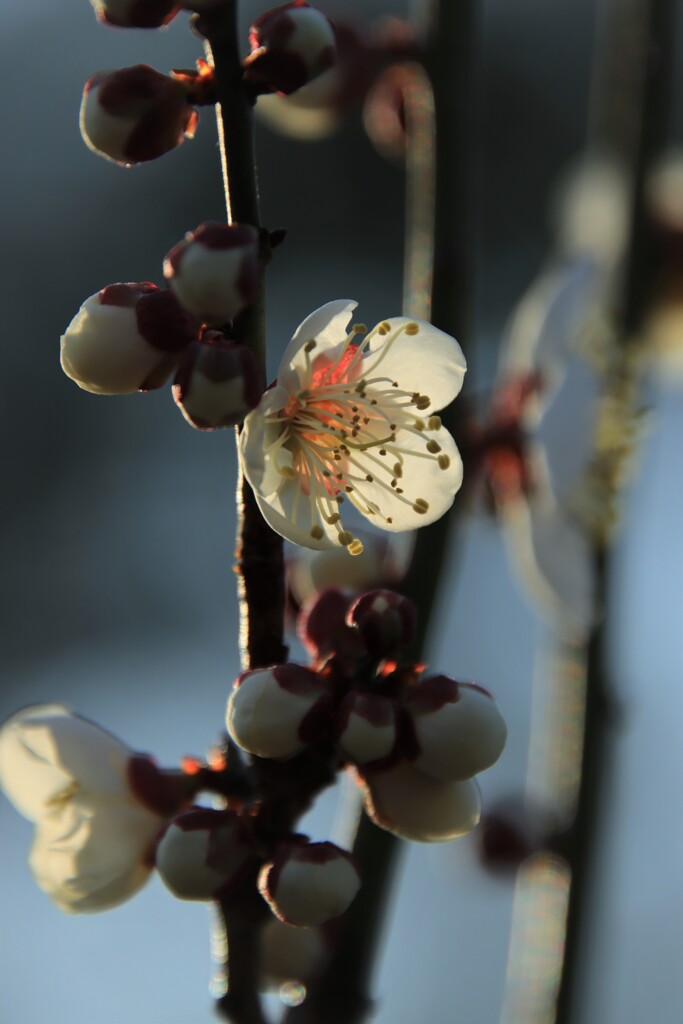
<point>117,525</point>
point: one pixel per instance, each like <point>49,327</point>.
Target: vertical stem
<point>259,551</point>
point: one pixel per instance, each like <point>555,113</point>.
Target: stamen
<point>421,506</point>
<point>412,328</point>
<point>444,462</point>
<point>433,447</point>
<point>355,547</point>
<point>434,423</point>
<point>345,538</point>
<point>317,532</point>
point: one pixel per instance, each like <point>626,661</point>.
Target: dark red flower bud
<point>217,383</point>
<point>385,620</point>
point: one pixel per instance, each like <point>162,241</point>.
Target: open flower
<point>91,801</point>
<point>351,419</point>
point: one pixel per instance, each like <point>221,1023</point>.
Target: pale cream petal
<point>429,362</point>
<point>327,326</point>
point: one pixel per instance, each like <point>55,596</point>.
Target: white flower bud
<point>276,712</point>
<point>366,727</point>
<point>203,853</point>
<point>125,338</point>
<point>291,45</point>
<point>289,954</point>
<point>94,834</point>
<point>459,728</point>
<point>217,382</point>
<point>415,806</point>
<point>309,884</point>
<point>135,114</point>
<point>215,271</point>
<point>135,13</point>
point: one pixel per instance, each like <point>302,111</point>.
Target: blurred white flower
<point>93,838</point>
<point>350,418</point>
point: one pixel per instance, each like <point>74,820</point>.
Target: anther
<point>423,402</point>
<point>419,424</point>
<point>334,518</point>
<point>398,470</point>
<point>310,345</point>
<point>412,328</point>
<point>348,488</point>
<point>345,538</point>
<point>382,451</point>
<point>433,447</point>
<point>317,532</point>
<point>444,462</point>
<point>434,422</point>
<point>355,547</point>
<point>369,477</point>
<point>359,329</point>
<point>383,328</point>
<point>421,506</point>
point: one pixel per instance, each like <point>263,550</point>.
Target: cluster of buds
<point>132,337</point>
<point>415,743</point>
<point>137,114</point>
<point>206,854</point>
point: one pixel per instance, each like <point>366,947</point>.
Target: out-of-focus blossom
<point>204,854</point>
<point>135,13</point>
<point>276,712</point>
<point>291,45</point>
<point>215,272</point>
<point>97,806</point>
<point>316,110</point>
<point>383,562</point>
<point>351,419</point>
<point>308,884</point>
<point>136,114</point>
<point>126,338</point>
<point>217,383</point>
<point>403,800</point>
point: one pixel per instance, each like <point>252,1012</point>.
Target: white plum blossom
<point>351,419</point>
<point>94,837</point>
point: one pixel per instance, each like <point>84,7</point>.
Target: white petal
<point>327,325</point>
<point>422,478</point>
<point>255,438</point>
<point>45,749</point>
<point>430,361</point>
<point>292,519</point>
<point>92,852</point>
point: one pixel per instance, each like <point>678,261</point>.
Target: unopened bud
<point>385,620</point>
<point>276,712</point>
<point>291,45</point>
<point>215,270</point>
<point>125,338</point>
<point>310,883</point>
<point>323,630</point>
<point>217,382</point>
<point>203,854</point>
<point>135,13</point>
<point>459,728</point>
<point>366,727</point>
<point>135,114</point>
<point>405,801</point>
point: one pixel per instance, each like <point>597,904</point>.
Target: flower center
<point>351,434</point>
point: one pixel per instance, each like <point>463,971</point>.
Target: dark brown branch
<point>259,558</point>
